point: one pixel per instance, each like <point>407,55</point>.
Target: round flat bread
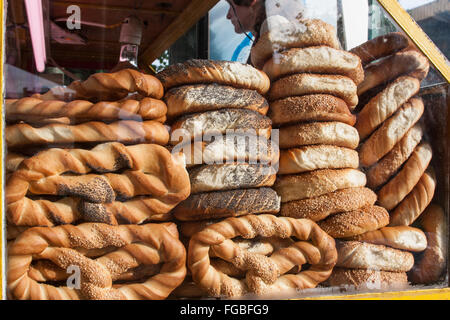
<point>313,107</point>
<point>309,158</point>
<point>321,59</point>
<point>230,73</point>
<point>233,203</point>
<point>329,133</point>
<point>316,183</point>
<point>189,99</point>
<point>304,83</point>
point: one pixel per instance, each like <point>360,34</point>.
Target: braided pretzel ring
<point>34,110</point>
<point>137,245</point>
<point>264,274</point>
<point>109,87</point>
<point>153,171</point>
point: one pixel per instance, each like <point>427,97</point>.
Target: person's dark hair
<point>261,16</point>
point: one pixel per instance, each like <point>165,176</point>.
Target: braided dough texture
<point>126,131</point>
<point>432,263</point>
<point>33,110</point>
<point>149,244</point>
<point>320,59</point>
<point>109,87</point>
<point>230,73</point>
<point>316,183</point>
<point>312,107</point>
<point>284,34</point>
<point>153,171</point>
<point>190,99</point>
<point>400,237</point>
<point>265,275</point>
<point>360,255</point>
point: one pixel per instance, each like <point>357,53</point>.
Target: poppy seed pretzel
<point>33,110</point>
<point>109,87</point>
<point>152,171</point>
<point>265,275</point>
<point>150,244</point>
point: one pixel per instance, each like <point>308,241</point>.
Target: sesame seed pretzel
<point>33,110</point>
<point>265,275</point>
<point>150,170</point>
<point>109,87</point>
<point>145,245</point>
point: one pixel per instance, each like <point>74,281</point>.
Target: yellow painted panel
<point>417,35</point>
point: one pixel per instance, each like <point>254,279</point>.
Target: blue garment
<point>242,52</point>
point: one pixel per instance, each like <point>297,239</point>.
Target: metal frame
<point>411,29</point>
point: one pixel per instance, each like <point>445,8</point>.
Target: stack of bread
<point>393,151</point>
<point>87,166</point>
<point>313,92</point>
<point>231,195</point>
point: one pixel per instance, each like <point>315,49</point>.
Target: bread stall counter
<point>315,169</point>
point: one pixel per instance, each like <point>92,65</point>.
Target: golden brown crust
<point>432,263</point>
<point>330,133</point>
<point>391,132</point>
<point>109,87</point>
<point>208,71</point>
<point>392,193</point>
<point>381,46</point>
<point>189,99</point>
<point>37,111</point>
<point>264,275</point>
<point>320,207</point>
<point>352,223</point>
<point>135,246</point>
<point>233,203</point>
<point>313,107</point>
<point>293,34</point>
<point>381,171</point>
<point>410,62</point>
<point>399,237</point>
<point>309,158</point>
<point>385,103</point>
<point>317,59</point>
<point>13,160</point>
<point>316,183</point>
<point>367,279</point>
<point>415,202</point>
<point>150,170</point>
<point>126,131</point>
<point>360,255</point>
<point>305,84</point>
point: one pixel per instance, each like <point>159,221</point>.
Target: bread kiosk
<point>151,152</point>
